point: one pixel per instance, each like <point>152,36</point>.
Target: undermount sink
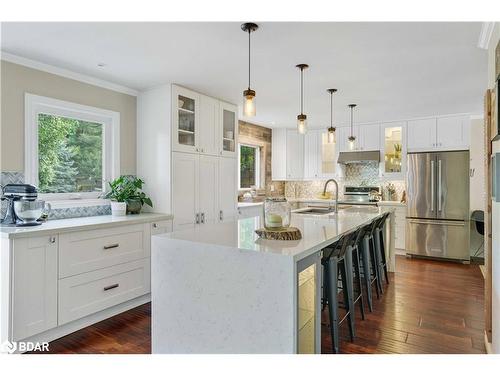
<point>320,210</point>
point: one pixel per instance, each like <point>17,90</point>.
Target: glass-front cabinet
<point>185,119</point>
<point>328,156</point>
<point>393,149</point>
<point>229,129</point>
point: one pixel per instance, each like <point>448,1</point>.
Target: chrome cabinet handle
<point>155,225</point>
<point>112,246</point>
<point>203,218</point>
<point>432,185</point>
<point>197,218</point>
<point>111,287</point>
<point>439,185</point>
<point>52,240</point>
<point>221,215</point>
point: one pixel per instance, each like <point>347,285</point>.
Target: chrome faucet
<point>336,192</point>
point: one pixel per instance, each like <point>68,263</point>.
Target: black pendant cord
<point>331,110</point>
<point>249,31</point>
<point>351,119</point>
<point>301,91</point>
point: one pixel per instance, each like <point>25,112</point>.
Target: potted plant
<point>126,195</point>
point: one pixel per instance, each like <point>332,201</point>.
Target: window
<point>71,150</point>
<point>249,163</point>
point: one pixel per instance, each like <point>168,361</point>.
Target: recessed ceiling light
<point>101,65</point>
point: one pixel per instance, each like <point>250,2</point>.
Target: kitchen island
<point>218,288</point>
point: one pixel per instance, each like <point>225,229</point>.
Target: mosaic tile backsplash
<point>57,213</point>
<point>366,174</point>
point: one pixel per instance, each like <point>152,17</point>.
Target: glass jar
<point>277,213</point>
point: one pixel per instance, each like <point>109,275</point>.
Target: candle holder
<point>277,213</point>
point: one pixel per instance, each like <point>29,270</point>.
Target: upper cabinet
<point>312,154</point>
<point>228,129</point>
<point>439,134</point>
<point>393,149</point>
<point>202,124</point>
<point>294,155</point>
<point>278,155</point>
<point>367,138</point>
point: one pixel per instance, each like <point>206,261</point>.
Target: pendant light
<point>331,129</point>
<point>249,94</point>
<point>351,138</point>
<point>302,118</point>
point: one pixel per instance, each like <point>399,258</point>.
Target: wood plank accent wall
<point>261,136</point>
<point>487,216</point>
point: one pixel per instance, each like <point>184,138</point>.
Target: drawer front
<point>159,227</point>
<point>91,292</point>
<point>86,251</point>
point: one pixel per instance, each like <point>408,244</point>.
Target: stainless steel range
<point>360,195</point>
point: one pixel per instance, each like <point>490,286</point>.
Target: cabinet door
<point>453,133</point>
<point>342,136</point>
<point>34,286</point>
<point>228,129</point>
<point>184,189</point>
<point>185,113</point>
<point>393,150</point>
<point>369,138</point>
<point>422,135</point>
<point>208,188</point>
<point>228,190</point>
<point>209,126</point>
<point>278,155</point>
<point>328,156</point>
<point>294,155</point>
<point>311,154</point>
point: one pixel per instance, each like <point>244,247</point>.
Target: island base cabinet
<point>34,286</point>
<point>91,292</point>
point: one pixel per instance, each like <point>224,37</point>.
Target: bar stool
<point>369,261</point>
<point>334,262</point>
<point>354,268</point>
<point>380,245</point>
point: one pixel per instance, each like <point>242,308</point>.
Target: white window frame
<point>257,165</point>
<point>33,106</point>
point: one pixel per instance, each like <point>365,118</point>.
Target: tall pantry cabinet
<point>187,148</point>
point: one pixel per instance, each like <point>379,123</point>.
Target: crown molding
<point>485,34</point>
<point>15,59</point>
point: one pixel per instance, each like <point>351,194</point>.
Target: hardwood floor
<point>429,307</point>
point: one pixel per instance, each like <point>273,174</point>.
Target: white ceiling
<point>391,70</point>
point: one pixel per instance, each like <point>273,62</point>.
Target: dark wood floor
<point>429,307</point>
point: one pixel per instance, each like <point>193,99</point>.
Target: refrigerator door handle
<point>450,223</point>
<point>432,185</point>
<point>439,185</point>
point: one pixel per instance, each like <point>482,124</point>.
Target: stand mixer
<point>23,208</point>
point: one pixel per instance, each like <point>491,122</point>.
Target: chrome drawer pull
<point>106,247</point>
<point>111,287</point>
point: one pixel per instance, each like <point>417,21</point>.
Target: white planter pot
<point>118,208</point>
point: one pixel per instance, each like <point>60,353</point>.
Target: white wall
<point>495,259</point>
<point>154,145</point>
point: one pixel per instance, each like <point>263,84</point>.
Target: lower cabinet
<point>34,286</point>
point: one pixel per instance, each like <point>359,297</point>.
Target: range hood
<point>359,157</point>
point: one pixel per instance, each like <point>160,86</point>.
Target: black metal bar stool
<point>354,269</point>
<point>369,261</point>
<point>380,245</point>
<point>334,263</point>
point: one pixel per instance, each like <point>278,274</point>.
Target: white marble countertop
<point>91,222</point>
<point>318,231</point>
<point>249,204</point>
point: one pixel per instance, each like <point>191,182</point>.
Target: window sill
<point>71,203</point>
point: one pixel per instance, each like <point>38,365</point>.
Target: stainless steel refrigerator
<point>437,219</point>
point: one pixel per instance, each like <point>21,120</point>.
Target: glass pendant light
<point>302,118</point>
<point>249,94</point>
<point>351,138</point>
<point>331,129</point>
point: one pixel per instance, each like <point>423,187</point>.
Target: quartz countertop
<point>87,223</point>
<point>318,231</point>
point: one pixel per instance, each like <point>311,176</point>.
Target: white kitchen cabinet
<point>393,150</point>
<point>227,189</point>
<point>185,120</point>
<point>208,140</point>
<point>342,135</point>
<point>327,157</point>
<point>312,154</point>
<point>228,130</point>
<point>294,155</point>
<point>422,134</point>
<point>202,187</point>
<point>162,226</point>
<point>278,152</point>
<point>208,195</point>
<point>34,285</point>
<point>369,138</point>
<point>184,189</point>
<point>453,133</point>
